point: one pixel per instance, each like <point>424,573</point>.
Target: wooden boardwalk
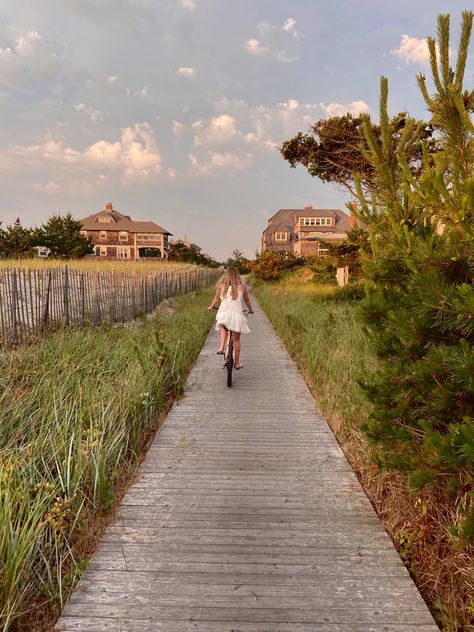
<point>246,517</point>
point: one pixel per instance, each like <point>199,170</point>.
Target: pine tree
<point>17,241</point>
<point>421,312</point>
<point>62,235</point>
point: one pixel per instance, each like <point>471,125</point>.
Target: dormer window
<point>281,236</point>
<point>315,221</point>
<point>104,219</point>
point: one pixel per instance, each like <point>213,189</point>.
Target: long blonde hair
<point>231,279</point>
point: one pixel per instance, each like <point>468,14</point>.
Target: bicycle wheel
<point>230,361</point>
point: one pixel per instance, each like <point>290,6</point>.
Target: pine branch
<point>466,29</point>
<point>443,43</point>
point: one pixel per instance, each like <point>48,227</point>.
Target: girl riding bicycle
<point>230,316</point>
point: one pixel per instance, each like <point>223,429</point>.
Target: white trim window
<point>316,221</point>
<point>103,251</point>
<point>103,219</point>
<point>123,236</point>
<point>123,252</point>
<point>103,234</point>
<point>281,236</point>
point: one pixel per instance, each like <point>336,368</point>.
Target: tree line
<point>61,234</point>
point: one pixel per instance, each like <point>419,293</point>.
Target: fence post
<point>66,295</point>
<point>45,314</point>
<point>97,299</point>
<point>83,299</point>
<point>13,307</point>
<point>342,276</point>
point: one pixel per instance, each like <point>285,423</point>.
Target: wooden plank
<point>114,624</point>
<point>256,614</point>
<point>246,517</point>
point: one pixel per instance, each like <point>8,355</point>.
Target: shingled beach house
<point>117,236</point>
<point>304,231</point>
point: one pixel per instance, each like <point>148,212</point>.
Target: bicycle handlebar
<point>214,309</point>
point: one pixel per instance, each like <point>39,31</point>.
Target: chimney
<point>109,208</point>
<point>308,207</point>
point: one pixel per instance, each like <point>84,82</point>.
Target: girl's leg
<point>236,336</point>
<point>223,338</point>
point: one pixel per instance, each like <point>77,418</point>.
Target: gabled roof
<point>119,221</point>
<point>286,218</point>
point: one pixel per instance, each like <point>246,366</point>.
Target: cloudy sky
<point>173,109</point>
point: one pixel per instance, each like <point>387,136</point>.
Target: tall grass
<point>331,347</point>
<point>96,264</point>
<point>328,341</point>
<point>74,411</point>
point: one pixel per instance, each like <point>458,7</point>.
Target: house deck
<point>246,517</point>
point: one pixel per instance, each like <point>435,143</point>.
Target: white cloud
<point>95,116</point>
<point>30,56</point>
<point>254,47</point>
<point>274,41</point>
<point>186,71</point>
<point>285,58</point>
<point>290,27</point>
<point>412,50</point>
<point>230,161</point>
<point>177,128</point>
<point>188,4</point>
<point>143,93</point>
<point>134,157</point>
<point>172,173</point>
<point>289,24</point>
<point>113,80</point>
<point>51,187</point>
<point>239,134</point>
<point>220,132</point>
<point>338,109</point>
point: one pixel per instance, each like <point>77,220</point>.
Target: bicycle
<point>229,351</point>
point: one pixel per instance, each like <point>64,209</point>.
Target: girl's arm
<point>247,299</point>
<point>217,297</point>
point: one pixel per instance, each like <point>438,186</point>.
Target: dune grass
<point>332,349</point>
<point>75,412</point>
<point>96,265</point>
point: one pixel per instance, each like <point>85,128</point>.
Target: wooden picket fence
<point>35,301</point>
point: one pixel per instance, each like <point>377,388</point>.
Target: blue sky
<point>173,109</point>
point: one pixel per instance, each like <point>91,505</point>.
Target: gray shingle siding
<point>287,220</point>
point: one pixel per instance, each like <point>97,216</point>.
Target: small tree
<point>333,150</point>
<point>17,241</point>
<point>421,311</point>
<point>239,261</point>
<point>178,251</point>
<point>269,265</point>
<point>62,235</point>
<point>351,251</point>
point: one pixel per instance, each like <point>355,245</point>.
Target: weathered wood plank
<point>115,624</point>
<point>246,517</point>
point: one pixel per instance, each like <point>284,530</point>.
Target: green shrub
<point>324,269</point>
<point>420,310</point>
<point>269,265</point>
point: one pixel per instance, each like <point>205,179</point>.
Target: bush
<point>269,266</point>
<point>354,292</point>
<point>420,309</point>
<point>324,269</point>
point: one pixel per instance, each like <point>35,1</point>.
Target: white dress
<point>230,313</point>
